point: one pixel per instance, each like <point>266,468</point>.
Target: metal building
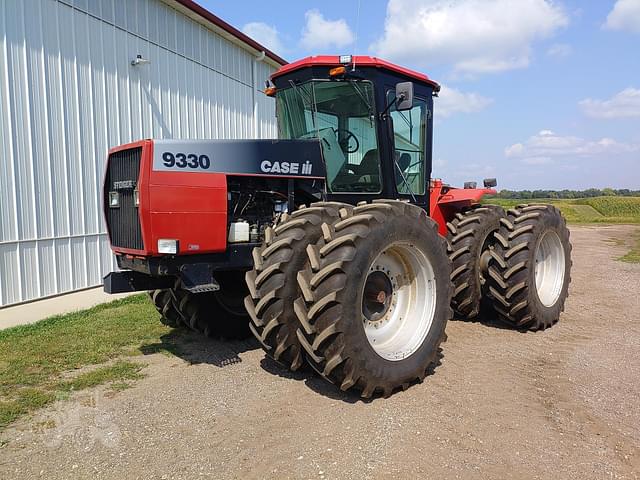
<point>71,87</point>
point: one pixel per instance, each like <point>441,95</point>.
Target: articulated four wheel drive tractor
<point>331,244</point>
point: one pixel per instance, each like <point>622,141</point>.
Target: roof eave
<point>199,13</point>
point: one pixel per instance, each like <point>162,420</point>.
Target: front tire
<point>376,298</point>
<point>215,314</point>
<point>272,282</point>
<point>531,265</point>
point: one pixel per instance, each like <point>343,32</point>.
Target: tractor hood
<point>281,158</point>
<point>178,189</point>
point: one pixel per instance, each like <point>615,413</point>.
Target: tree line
<point>590,192</point>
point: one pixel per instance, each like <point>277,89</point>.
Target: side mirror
<point>404,96</point>
<point>490,182</point>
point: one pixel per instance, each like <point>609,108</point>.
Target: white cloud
<point>319,32</point>
<point>624,16</point>
<point>623,104</point>
<point>547,145</point>
<point>476,36</point>
<point>264,34</point>
<point>560,50</point>
<point>451,101</point>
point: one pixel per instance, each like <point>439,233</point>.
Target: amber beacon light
<point>334,72</point>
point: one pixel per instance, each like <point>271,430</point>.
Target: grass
<point>39,363</point>
<point>633,255</point>
<point>586,210</point>
<point>118,372</point>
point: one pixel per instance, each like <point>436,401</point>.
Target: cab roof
<point>360,61</point>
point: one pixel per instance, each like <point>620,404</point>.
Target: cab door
<point>410,145</point>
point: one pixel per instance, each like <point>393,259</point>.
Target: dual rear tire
<point>471,237</point>
<point>517,263</point>
<point>530,268</point>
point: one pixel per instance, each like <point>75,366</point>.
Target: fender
<point>446,201</point>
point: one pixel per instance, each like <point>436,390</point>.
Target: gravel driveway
<point>564,403</point>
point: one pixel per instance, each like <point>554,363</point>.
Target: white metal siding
<point>68,93</point>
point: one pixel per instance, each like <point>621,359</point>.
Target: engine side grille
<point>124,222</point>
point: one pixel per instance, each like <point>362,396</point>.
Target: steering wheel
<point>344,143</point>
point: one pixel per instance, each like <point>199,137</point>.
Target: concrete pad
<point>40,309</point>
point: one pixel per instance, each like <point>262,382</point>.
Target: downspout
<point>258,58</point>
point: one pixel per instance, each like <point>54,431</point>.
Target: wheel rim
<point>550,267</point>
<point>398,301</point>
<point>484,257</point>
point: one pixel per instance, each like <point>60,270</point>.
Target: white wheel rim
<point>549,269</point>
<point>401,326</point>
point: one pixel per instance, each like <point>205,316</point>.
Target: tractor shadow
<point>311,380</point>
<point>316,383</point>
<point>488,318</point>
<point>195,348</point>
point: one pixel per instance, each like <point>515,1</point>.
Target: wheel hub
<point>485,258</point>
<point>378,294</point>
<point>398,301</point>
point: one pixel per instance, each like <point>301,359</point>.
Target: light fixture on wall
<point>139,60</point>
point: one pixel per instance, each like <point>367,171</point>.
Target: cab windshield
<point>342,116</point>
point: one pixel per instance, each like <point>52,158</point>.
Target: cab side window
<point>409,136</point>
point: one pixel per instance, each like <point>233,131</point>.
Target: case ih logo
<point>124,185</point>
<point>286,167</point>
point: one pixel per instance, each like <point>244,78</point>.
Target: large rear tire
<point>272,282</point>
<point>530,269</point>
<point>470,236</point>
<point>376,298</point>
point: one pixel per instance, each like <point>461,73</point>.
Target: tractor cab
<point>373,119</point>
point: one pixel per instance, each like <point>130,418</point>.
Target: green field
<point>586,210</point>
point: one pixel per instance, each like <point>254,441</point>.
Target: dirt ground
<point>561,404</point>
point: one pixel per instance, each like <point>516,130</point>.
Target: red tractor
<point>294,239</point>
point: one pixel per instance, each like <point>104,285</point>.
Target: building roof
<point>359,60</point>
<point>221,24</point>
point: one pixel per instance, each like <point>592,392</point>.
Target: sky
<point>541,94</point>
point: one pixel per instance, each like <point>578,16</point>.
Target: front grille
<point>123,222</point>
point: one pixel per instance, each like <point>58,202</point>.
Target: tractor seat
<point>363,177</point>
<point>404,161</point>
<point>370,164</point>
